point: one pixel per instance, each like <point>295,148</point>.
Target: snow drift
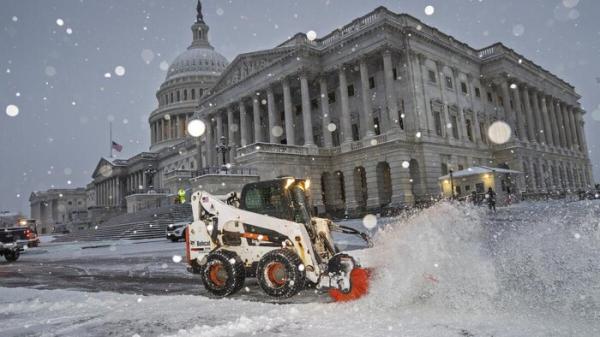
<point>538,260</point>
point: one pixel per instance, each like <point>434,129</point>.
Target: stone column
<point>345,116</point>
<point>529,114</point>
<point>572,126</point>
<point>170,126</point>
<point>390,92</point>
<point>243,124</point>
<point>520,114</point>
<point>546,115</point>
<point>306,113</point>
<point>219,118</point>
<point>580,131</point>
<point>290,134</point>
<point>462,135</point>
<point>272,115</point>
<point>231,133</point>
<point>327,141</point>
<point>541,134</point>
<point>439,67</point>
<point>559,123</point>
<point>208,141</point>
<point>475,120</point>
<point>508,113</point>
<point>368,129</point>
<point>565,122</point>
<point>553,122</point>
<point>256,114</point>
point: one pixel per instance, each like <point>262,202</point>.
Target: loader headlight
<point>289,182</point>
<point>307,184</point>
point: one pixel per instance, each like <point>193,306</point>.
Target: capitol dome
<point>197,61</point>
<point>190,76</point>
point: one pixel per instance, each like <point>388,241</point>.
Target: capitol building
<point>373,113</point>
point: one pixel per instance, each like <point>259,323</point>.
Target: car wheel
<point>12,256</point>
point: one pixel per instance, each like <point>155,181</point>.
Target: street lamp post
<point>223,149</point>
<point>451,184</point>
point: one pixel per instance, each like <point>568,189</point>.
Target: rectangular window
<point>454,122</point>
<point>171,97</point>
<point>489,97</point>
<point>178,96</point>
<point>431,76</point>
<point>331,97</point>
<point>355,132</point>
<point>482,132</point>
<point>351,90</point>
<point>395,74</point>
<point>463,87</point>
<point>461,167</point>
<point>438,122</point>
<point>477,93</point>
<point>193,93</point>
<point>185,95</point>
<point>371,82</point>
<point>376,126</point>
<point>448,82</point>
<point>512,106</point>
<point>469,129</point>
<point>500,100</point>
<point>444,168</point>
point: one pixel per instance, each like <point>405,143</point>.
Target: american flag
<point>117,146</point>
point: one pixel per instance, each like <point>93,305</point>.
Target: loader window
<point>266,200</point>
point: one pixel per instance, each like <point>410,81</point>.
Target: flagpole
<point>110,141</point>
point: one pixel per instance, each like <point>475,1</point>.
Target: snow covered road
<point>451,270</point>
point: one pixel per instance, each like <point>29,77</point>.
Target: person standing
<point>491,199</point>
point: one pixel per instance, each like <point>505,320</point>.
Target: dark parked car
<point>9,245</point>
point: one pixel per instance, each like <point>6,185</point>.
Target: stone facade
<point>58,208</point>
<point>374,112</point>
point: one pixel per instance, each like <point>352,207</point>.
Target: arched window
<point>185,95</point>
<point>193,93</point>
<point>178,96</point>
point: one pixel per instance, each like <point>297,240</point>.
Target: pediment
<point>103,168</point>
<point>245,65</point>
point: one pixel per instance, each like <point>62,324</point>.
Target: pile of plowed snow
<point>538,259</point>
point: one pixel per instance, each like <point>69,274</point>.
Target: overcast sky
<point>56,74</point>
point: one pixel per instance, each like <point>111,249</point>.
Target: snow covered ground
<point>452,270</point>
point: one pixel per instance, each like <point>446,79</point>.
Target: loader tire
<point>279,273</point>
<point>223,274</point>
<point>12,256</point>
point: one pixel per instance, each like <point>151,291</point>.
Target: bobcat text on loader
<point>269,233</point>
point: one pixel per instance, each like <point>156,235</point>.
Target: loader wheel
<point>12,255</point>
<point>223,274</point>
<point>279,274</point>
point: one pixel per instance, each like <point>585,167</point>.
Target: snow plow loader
<point>269,233</point>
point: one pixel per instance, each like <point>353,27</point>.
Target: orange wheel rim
<point>217,274</point>
<point>276,273</point>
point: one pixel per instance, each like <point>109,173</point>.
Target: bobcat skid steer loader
<point>269,233</point>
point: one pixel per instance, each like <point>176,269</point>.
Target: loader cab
<point>285,198</point>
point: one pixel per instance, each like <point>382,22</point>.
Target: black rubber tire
<point>12,256</point>
<point>234,273</point>
<point>174,239</point>
<point>293,279</point>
